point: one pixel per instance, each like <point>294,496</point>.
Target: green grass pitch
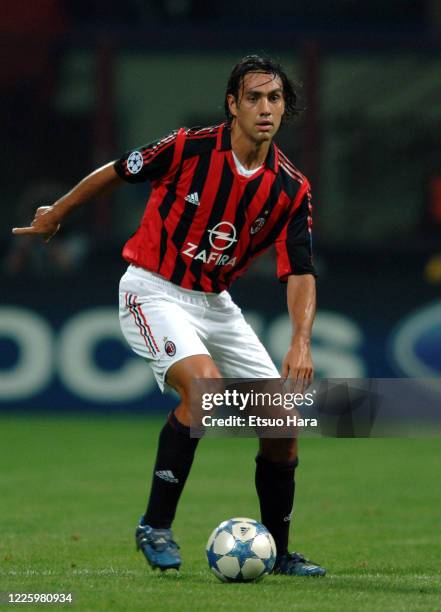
<point>72,490</point>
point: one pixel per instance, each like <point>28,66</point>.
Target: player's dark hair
<point>266,65</point>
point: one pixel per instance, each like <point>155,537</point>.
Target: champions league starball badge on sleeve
<point>135,162</point>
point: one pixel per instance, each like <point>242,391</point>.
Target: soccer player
<point>220,197</point>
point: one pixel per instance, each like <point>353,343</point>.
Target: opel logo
<point>222,235</point>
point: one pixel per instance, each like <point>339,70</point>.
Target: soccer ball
<point>240,550</point>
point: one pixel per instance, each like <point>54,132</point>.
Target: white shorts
<point>164,323</point>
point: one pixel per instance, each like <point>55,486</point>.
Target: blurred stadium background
<point>81,82</point>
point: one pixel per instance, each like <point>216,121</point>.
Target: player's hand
<point>297,365</point>
<point>46,224</point>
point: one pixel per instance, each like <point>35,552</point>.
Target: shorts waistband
<point>188,295</point>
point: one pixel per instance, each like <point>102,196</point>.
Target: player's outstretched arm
<point>301,298</point>
<point>47,219</point>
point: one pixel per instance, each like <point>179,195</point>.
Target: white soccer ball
<point>240,550</point>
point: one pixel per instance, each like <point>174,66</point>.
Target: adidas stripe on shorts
<point>164,323</point>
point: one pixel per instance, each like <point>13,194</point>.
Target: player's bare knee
<point>183,373</point>
<point>182,376</point>
<point>196,366</point>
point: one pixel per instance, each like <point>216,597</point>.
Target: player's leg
<point>276,463</point>
<point>174,458</point>
<point>158,326</point>
<point>176,448</point>
<point>239,354</point>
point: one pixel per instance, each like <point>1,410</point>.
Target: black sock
<point>173,462</point>
<point>275,486</point>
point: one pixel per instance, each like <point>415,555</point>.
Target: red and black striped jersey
<point>204,222</point>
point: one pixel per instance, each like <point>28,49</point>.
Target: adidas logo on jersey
<point>166,475</point>
<point>193,198</point>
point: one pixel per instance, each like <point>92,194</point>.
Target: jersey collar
<point>223,143</point>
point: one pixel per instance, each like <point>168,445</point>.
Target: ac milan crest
<point>257,225</point>
<point>170,348</point>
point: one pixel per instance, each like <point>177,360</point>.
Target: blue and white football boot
<point>158,546</point>
<point>294,564</point>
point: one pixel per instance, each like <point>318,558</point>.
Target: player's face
<point>259,109</point>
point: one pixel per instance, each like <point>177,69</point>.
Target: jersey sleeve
<point>151,162</point>
<point>294,244</point>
